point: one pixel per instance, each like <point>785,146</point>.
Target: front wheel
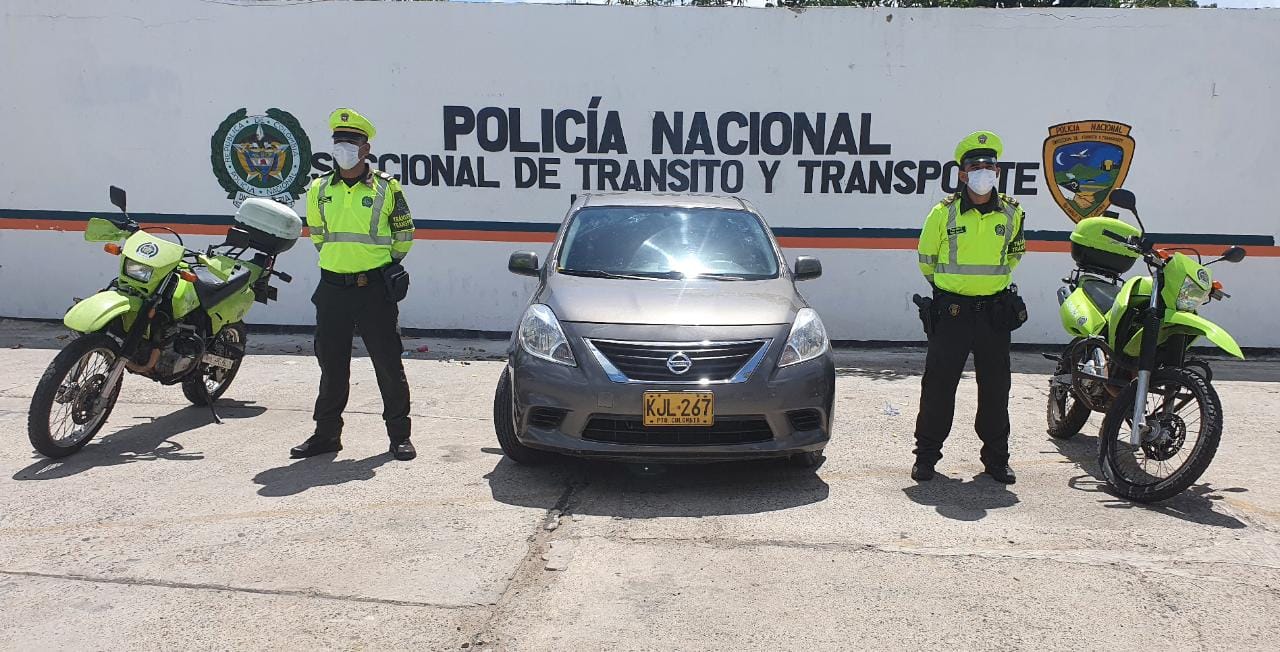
<point>229,343</point>
<point>65,411</point>
<point>1185,419</point>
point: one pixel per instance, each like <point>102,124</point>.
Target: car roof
<point>677,200</point>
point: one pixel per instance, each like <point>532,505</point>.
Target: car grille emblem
<point>679,363</point>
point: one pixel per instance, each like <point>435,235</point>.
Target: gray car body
<point>684,311</point>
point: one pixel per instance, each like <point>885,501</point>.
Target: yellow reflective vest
<point>358,227</point>
<point>971,252</point>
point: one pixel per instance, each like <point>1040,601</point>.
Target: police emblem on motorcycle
<point>261,156</point>
<point>148,250</point>
<point>1079,322</point>
<point>1085,161</point>
<point>1203,275</point>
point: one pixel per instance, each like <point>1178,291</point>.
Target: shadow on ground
<point>596,488</point>
<point>150,439</point>
<point>1195,505</point>
<point>318,471</point>
<point>963,501</point>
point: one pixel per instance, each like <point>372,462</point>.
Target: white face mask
<point>346,155</point>
<point>982,181</point>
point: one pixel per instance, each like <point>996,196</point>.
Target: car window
<point>667,242</point>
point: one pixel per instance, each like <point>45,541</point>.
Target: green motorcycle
<point>173,315</point>
<point>1163,417</point>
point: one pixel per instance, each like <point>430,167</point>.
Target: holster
<point>396,279</point>
<point>924,305</point>
<point>1010,311</point>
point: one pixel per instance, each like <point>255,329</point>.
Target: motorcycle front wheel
<point>1185,416</point>
<point>63,418</point>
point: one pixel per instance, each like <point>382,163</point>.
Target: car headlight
<point>541,336</point>
<point>808,339</point>
<point>138,271</point>
<point>1191,296</point>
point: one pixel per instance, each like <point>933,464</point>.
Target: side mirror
<point>102,230</point>
<point>1124,199</point>
<point>807,267</point>
<point>117,198</point>
<point>1234,254</point>
<point>524,263</point>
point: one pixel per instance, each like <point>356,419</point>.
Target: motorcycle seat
<point>212,290</point>
<point>1101,293</point>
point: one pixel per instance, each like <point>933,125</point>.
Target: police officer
<point>969,247</point>
<point>360,224</point>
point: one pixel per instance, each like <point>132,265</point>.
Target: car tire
<point>809,460</point>
<point>505,427</point>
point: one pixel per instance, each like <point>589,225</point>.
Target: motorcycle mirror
<point>1124,199</point>
<point>117,198</point>
<point>1234,254</point>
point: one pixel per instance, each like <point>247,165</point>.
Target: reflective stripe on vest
<point>953,246</point>
<point>372,238</point>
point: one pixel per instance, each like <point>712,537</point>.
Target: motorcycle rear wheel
<point>1065,413</point>
<point>1180,405</point>
<point>216,379</point>
<point>62,419</point>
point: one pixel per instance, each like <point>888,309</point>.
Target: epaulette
<point>950,199</point>
<point>1009,200</point>
<point>384,175</point>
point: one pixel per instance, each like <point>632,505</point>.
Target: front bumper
<point>585,392</point>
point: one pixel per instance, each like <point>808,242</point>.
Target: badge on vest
<point>1000,230</point>
<point>367,202</point>
<point>957,230</point>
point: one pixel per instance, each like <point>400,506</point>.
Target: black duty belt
<point>359,279</point>
<point>976,304</point>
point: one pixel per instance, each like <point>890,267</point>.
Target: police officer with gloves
<point>360,224</point>
<point>969,247</point>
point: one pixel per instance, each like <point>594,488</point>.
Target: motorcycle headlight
<point>1191,296</point>
<point>541,336</point>
<point>138,271</point>
<point>808,339</point>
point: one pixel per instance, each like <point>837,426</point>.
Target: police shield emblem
<point>1086,161</point>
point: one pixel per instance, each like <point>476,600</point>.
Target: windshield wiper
<point>600,273</point>
<point>722,277</point>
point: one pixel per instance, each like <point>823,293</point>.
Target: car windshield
<point>668,242</point>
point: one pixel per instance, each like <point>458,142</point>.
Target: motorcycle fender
<point>1194,324</point>
<point>1079,316</point>
<point>94,313</point>
<point>232,309</point>
<point>1185,323</point>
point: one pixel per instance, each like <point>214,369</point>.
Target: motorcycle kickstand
<point>208,400</point>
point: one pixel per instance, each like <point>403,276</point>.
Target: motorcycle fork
<point>1146,362</point>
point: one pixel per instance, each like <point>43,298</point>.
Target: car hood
<point>671,302</point>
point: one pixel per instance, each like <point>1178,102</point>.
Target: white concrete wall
<point>129,92</point>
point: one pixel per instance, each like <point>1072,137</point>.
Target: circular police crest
<point>261,156</point>
<point>1000,229</point>
<point>148,250</point>
<point>1203,275</point>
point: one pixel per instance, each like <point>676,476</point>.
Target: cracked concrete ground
<point>171,532</point>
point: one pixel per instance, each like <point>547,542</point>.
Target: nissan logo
<point>679,363</point>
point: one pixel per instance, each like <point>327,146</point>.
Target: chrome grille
<point>652,362</point>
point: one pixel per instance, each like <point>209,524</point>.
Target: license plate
<point>679,409</point>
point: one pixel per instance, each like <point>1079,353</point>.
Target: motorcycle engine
<point>1088,383</point>
<point>179,356</point>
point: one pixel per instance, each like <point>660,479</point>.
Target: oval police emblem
<point>1203,275</point>
<point>148,250</point>
<point>262,156</point>
<point>679,363</point>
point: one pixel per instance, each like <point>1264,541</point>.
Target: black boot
<point>316,445</point>
<point>921,472</point>
<point>1002,474</point>
<point>403,450</point>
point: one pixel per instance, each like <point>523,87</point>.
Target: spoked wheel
<point>1185,419</point>
<point>228,343</point>
<point>1065,414</point>
<point>65,411</point>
